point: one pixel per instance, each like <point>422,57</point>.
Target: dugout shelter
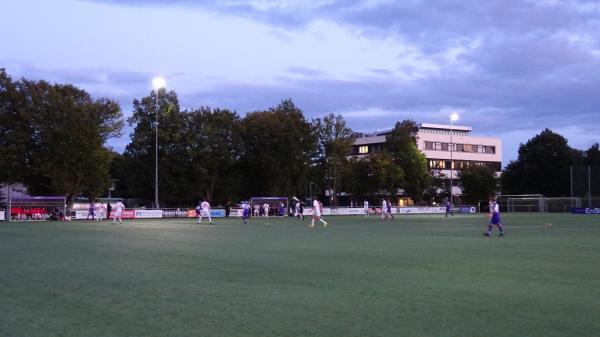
<point>37,208</point>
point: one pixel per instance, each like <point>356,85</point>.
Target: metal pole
<point>589,186</point>
<point>9,208</point>
<point>156,154</point>
<point>571,167</point>
<point>451,161</point>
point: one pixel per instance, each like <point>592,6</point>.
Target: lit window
<point>363,149</point>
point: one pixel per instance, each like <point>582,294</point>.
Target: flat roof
<point>444,127</point>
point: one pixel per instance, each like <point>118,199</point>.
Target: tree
<point>373,177</point>
<point>15,133</point>
<point>179,177</point>
<point>405,153</point>
<point>542,167</point>
<point>214,140</point>
<point>335,145</point>
<point>478,183</point>
<point>279,147</point>
<point>54,137</point>
<point>592,155</point>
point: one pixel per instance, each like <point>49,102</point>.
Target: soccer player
<point>108,210</point>
<point>91,210</point>
<point>383,210</point>
<point>494,219</point>
<point>317,211</point>
<point>366,207</point>
<point>389,209</point>
<point>118,212</point>
<point>204,212</point>
<point>99,211</point>
<point>449,209</point>
<point>266,209</point>
<point>256,210</point>
<point>245,211</point>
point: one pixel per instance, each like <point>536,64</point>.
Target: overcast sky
<point>508,68</point>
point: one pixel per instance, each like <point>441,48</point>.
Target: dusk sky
<point>508,68</point>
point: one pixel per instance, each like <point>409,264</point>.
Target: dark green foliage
<point>53,137</point>
<point>402,145</point>
<point>279,148</point>
<point>478,183</point>
<point>373,177</point>
<point>542,167</point>
<point>335,145</point>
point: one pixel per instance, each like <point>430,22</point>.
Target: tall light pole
<point>453,118</point>
<point>158,83</point>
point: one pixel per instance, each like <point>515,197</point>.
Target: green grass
<point>416,276</point>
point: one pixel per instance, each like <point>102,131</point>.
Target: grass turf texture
<point>415,276</point>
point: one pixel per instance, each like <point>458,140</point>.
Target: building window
<point>363,149</point>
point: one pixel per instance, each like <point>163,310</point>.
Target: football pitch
<point>420,275</point>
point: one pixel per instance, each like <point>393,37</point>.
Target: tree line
<point>54,139</point>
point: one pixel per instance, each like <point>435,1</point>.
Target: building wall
<point>440,134</point>
<point>494,159</point>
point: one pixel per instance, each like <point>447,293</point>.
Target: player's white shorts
<point>205,213</point>
<point>317,213</point>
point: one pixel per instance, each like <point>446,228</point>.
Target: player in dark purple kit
<point>494,219</point>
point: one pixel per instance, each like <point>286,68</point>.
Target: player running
<point>204,212</point>
<point>317,211</point>
<point>494,219</point>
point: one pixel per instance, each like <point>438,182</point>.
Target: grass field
<point>416,276</point>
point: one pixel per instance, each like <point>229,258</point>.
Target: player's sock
<point>312,223</point>
<point>324,222</point>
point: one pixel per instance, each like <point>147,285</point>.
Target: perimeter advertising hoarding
<point>176,213</point>
<point>148,213</point>
<point>236,212</point>
<point>585,210</point>
<point>421,210</point>
<point>82,215</point>
<point>214,213</point>
<point>2,215</point>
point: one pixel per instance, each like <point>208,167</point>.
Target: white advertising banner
<point>148,213</point>
<point>2,215</point>
<point>421,210</point>
<point>81,215</point>
<point>236,212</point>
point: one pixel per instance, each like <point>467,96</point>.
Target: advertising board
<point>421,210</point>
<point>586,210</point>
<point>175,213</point>
<point>148,213</point>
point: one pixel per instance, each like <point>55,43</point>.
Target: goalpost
<point>537,203</point>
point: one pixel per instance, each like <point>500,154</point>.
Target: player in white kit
<point>204,212</point>
<point>366,207</point>
<point>117,212</point>
<point>317,212</point>
<point>99,211</point>
<point>266,209</point>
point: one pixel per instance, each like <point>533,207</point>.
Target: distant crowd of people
<point>36,213</point>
